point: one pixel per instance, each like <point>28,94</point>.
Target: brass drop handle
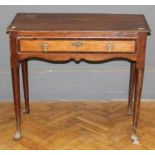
<point>45,47</point>
<point>77,44</point>
<point>109,47</point>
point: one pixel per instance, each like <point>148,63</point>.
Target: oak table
<point>89,37</point>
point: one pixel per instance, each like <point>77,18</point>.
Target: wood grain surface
<point>77,125</point>
<point>36,45</point>
<point>79,22</point>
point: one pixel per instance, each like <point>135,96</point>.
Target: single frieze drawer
<point>47,45</point>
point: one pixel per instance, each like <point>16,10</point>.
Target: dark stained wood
<point>14,62</point>
<point>94,27</point>
<point>78,34</point>
<point>94,57</point>
<point>131,87</point>
<point>16,94</point>
<point>25,86</point>
<point>140,65</point>
<point>78,22</point>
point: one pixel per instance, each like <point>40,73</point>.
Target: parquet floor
<point>77,125</point>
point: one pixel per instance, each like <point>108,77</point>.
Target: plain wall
<point>73,81</point>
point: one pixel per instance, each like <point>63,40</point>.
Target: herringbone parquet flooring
<point>77,125</point>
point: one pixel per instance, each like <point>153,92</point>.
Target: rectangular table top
<point>78,22</point>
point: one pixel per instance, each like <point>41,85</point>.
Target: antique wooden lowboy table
<point>89,37</point>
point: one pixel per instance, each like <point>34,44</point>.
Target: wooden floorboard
<point>84,125</point>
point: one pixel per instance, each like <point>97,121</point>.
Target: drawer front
<point>38,45</point>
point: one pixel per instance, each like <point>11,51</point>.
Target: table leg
<point>138,90</point>
<point>131,88</point>
<point>16,95</point>
<point>25,86</point>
